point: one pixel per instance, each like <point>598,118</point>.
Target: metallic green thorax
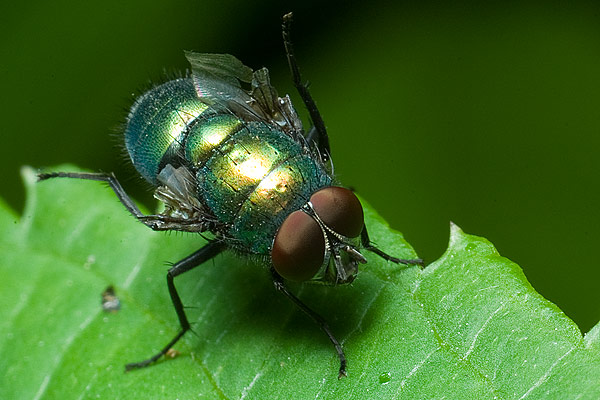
<point>249,175</point>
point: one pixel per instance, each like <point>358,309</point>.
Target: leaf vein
<point>545,376</point>
<point>414,370</point>
<point>483,326</point>
<point>442,344</point>
<point>247,389</point>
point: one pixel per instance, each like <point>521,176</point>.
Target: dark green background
<point>486,115</point>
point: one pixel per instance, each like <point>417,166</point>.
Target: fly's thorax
<point>255,179</point>
<point>320,242</point>
<point>157,126</point>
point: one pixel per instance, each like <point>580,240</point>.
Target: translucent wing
<point>279,110</point>
<point>219,78</point>
<point>183,210</point>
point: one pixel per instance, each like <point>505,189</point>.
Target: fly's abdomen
<point>249,175</point>
<point>207,135</point>
<point>158,124</point>
<point>239,165</point>
<point>254,180</point>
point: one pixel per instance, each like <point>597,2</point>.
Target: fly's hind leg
<point>280,286</point>
<point>318,133</point>
<point>366,243</point>
<point>190,262</point>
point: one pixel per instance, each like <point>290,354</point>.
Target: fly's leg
<point>280,286</point>
<point>366,243</point>
<point>318,133</point>
<point>190,262</point>
<point>155,222</point>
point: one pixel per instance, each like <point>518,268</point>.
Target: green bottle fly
<point>227,155</point>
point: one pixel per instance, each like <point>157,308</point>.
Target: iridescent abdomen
<point>254,180</point>
<point>157,125</point>
<point>249,175</point>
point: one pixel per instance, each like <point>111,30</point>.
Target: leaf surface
<point>468,326</point>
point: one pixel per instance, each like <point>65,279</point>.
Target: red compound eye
<point>340,209</point>
<point>298,248</point>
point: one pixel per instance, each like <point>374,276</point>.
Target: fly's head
<point>321,241</point>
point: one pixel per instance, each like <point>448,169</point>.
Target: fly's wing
<point>279,110</point>
<point>183,211</point>
<point>218,79</point>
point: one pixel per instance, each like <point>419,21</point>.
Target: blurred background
<point>485,115</point>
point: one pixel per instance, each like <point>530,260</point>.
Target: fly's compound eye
<point>299,247</point>
<point>340,210</point>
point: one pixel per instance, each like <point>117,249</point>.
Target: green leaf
<point>469,326</point>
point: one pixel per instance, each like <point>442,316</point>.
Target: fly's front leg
<point>204,254</point>
<point>318,133</point>
<point>366,243</point>
<point>280,286</point>
<point>154,222</point>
